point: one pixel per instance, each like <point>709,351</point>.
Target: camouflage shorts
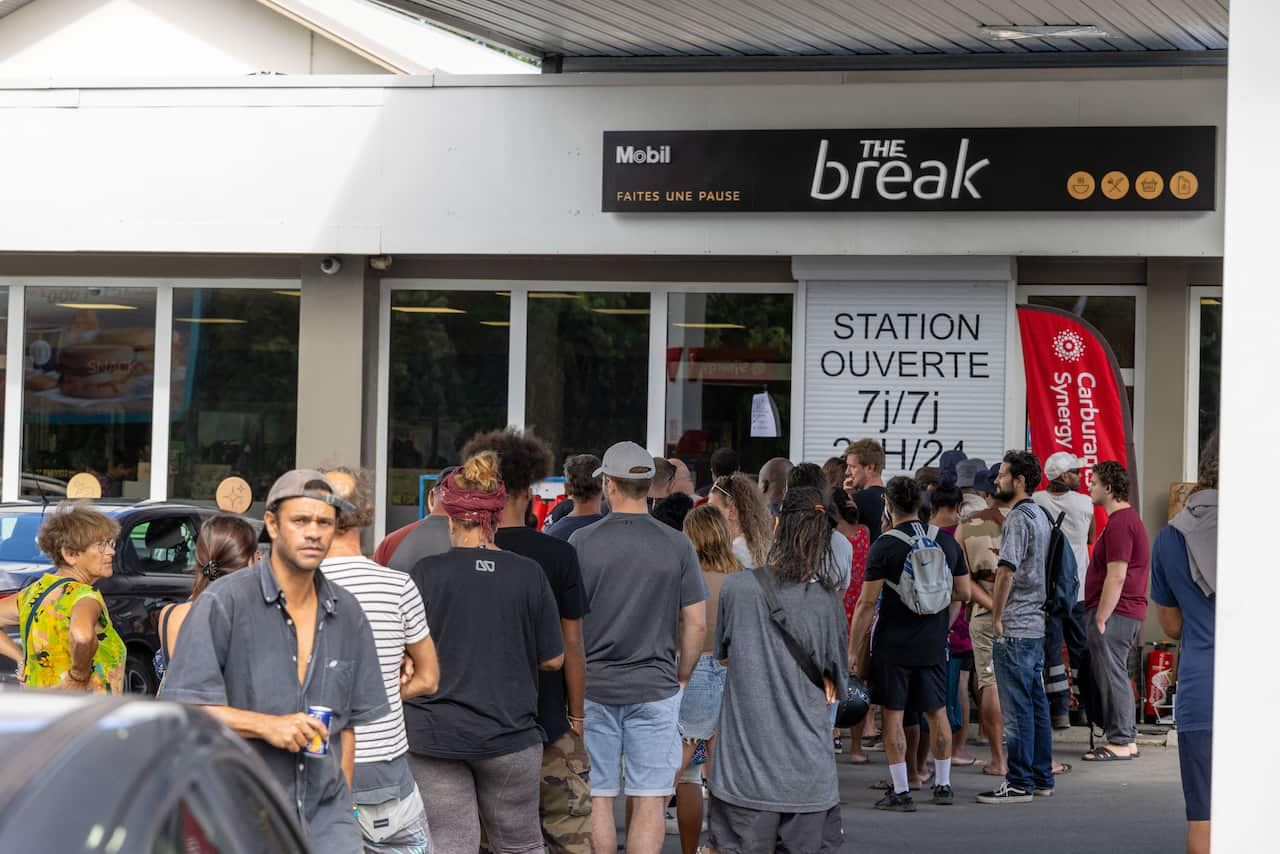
<point>566,795</point>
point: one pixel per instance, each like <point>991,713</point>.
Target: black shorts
<point>1195,758</point>
<point>915,690</point>
<point>741,830</point>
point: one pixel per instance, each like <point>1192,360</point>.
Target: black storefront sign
<point>959,169</point>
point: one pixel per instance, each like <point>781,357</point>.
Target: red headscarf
<point>472,505</point>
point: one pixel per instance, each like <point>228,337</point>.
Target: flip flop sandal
<point>1065,769</point>
<point>986,769</point>
<point>863,761</point>
<point>1105,754</point>
<point>960,763</point>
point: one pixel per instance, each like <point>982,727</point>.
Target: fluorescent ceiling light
<point>495,323</point>
<point>1061,31</point>
<point>709,325</point>
<point>503,293</point>
<point>620,310</point>
<point>553,295</point>
<point>427,309</point>
<point>288,293</point>
<point>102,306</point>
<point>213,320</point>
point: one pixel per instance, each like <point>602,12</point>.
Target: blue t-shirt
<point>563,528</point>
<point>1172,587</point>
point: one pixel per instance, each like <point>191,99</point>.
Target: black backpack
<point>1061,581</point>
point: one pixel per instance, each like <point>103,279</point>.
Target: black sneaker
<point>1005,794</point>
<point>943,796</point>
<point>894,802</point>
<point>838,744</point>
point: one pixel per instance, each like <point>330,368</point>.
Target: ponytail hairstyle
<point>801,549</point>
<point>226,543</point>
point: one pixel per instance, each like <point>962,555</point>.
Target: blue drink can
<point>319,746</point>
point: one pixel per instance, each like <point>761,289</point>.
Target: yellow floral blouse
<point>48,642</point>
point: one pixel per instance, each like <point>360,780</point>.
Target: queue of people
<point>488,684</point>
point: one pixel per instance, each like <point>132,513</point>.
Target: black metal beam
<point>896,62</point>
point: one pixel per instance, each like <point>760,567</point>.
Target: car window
<point>258,823</point>
<point>192,828</point>
<point>18,537</point>
<point>167,544</point>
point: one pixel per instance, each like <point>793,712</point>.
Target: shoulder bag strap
<point>778,617</point>
<point>899,535</point>
<point>31,615</point>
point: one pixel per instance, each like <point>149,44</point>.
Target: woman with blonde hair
<point>708,530</point>
<point>750,522</point>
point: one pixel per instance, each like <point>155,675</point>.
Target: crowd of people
<point>493,686</point>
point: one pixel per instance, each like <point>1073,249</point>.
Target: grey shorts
<point>741,830</point>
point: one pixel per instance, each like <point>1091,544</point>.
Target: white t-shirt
<point>394,608</point>
<point>1075,524</point>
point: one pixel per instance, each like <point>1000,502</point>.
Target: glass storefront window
<point>1210,366</point>
<point>233,405</point>
<point>724,351</point>
<point>89,360</point>
<point>448,380</point>
<point>588,370</point>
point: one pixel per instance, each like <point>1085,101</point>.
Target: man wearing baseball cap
<point>262,646</point>
<point>642,581</point>
<point>1064,499</point>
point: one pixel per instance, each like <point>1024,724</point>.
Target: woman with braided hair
<point>475,746</point>
<point>225,543</point>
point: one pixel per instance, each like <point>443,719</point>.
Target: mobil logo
<point>642,155</point>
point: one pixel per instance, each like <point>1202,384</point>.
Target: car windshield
<point>18,538</point>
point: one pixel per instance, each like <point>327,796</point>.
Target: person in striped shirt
<point>388,803</point>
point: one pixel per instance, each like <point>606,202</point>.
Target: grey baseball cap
<point>628,461</point>
<point>304,483</point>
<point>967,470</point>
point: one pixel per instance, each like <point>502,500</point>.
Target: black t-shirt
<point>559,562</point>
<point>902,636</point>
<point>870,503</point>
<point>493,617</point>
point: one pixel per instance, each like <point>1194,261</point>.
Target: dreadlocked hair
<point>801,548</point>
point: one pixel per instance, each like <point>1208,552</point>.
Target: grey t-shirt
<point>773,749</point>
<point>842,552</point>
<point>1024,546</point>
<point>427,539</point>
<point>637,573</point>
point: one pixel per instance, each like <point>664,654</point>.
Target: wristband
<point>577,719</point>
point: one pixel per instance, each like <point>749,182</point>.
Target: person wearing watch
<point>67,636</point>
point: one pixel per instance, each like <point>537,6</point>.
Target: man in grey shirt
<point>1018,624</point>
<point>641,579</point>
<point>263,645</point>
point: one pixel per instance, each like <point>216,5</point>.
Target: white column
<point>656,433</point>
<point>1247,690</point>
<point>518,357</point>
<point>160,400</point>
<point>12,466</point>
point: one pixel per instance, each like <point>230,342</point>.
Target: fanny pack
<point>380,822</point>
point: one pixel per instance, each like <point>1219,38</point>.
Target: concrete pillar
<point>1164,439</point>
<point>1247,690</point>
<point>331,364</point>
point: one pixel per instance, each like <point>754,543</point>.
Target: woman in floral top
<point>860,538</point>
<point>67,635</point>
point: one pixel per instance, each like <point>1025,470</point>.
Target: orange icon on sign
<point>1183,185</point>
<point>1149,185</point>
<point>1080,185</point>
<point>1115,185</point>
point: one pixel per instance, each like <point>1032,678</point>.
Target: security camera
<point>330,265</point>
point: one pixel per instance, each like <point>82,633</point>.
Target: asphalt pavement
<point>1134,807</point>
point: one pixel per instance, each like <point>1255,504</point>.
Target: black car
<point>155,551</point>
<point>119,774</point>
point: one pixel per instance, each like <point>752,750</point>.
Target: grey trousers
<point>1109,657</point>
<point>503,792</point>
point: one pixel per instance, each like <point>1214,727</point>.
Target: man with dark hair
<point>267,643</point>
<point>1115,605</point>
<point>773,482</point>
<point>584,491</point>
<point>834,471</point>
<point>864,463</point>
<point>724,462</point>
<point>908,666</point>
<point>645,598</point>
<point>565,796</point>
<point>403,548</point>
<point>390,809</point>
<point>1018,625</point>
<point>1184,580</point>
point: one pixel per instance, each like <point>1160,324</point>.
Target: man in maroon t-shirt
<point>1115,604</point>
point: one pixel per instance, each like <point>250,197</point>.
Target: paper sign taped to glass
<point>764,416</point>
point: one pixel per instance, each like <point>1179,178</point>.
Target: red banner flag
<point>1076,399</point>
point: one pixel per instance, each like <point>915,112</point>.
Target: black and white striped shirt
<point>393,606</point>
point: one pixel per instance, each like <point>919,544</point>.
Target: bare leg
<point>959,737</point>
<point>688,805</point>
<point>1198,837</point>
<point>647,831</point>
<point>604,836</point>
<point>911,746</point>
<point>939,734</point>
<point>896,745</point>
<point>993,727</point>
<point>922,750</point>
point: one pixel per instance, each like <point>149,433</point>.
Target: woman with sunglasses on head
<point>67,635</point>
<point>226,543</point>
<point>744,508</point>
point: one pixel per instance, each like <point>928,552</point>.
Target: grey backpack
<point>925,584</point>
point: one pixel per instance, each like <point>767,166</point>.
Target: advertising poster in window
<point>918,367</point>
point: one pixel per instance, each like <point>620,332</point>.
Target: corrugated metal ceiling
<point>719,34</point>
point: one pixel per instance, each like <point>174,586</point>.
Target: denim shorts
<point>700,707</point>
<point>637,743</point>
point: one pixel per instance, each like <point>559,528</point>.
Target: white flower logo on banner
<point>1068,346</point>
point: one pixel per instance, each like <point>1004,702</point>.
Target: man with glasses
<point>1064,498</point>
